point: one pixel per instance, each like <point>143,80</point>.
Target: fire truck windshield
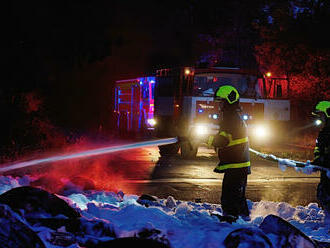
<point>206,84</point>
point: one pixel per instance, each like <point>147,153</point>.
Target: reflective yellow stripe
<point>231,166</point>
<point>238,141</point>
<point>226,135</point>
<point>210,141</point>
<point>316,152</point>
<point>231,141</point>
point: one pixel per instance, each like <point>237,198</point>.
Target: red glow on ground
<point>41,139</point>
<point>108,172</point>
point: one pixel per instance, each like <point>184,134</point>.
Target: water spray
<point>88,153</point>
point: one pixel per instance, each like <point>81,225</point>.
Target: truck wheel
<point>168,150</point>
<point>188,150</point>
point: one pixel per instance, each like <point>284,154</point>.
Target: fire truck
<point>178,102</point>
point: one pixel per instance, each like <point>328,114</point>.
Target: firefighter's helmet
<point>322,107</point>
<point>227,92</point>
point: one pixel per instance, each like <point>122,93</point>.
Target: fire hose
<point>88,153</point>
<point>283,163</point>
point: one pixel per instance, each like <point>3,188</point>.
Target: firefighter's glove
<point>328,174</point>
<point>307,169</point>
<point>283,163</point>
<point>210,141</point>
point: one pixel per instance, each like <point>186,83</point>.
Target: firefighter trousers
<point>323,192</point>
<point>233,199</point>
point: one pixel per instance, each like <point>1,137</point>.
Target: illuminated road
<point>195,180</point>
<point>142,171</point>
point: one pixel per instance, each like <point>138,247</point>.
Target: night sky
<point>62,57</point>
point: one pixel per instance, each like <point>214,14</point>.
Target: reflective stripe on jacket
<point>233,143</point>
<point>316,152</point>
<point>235,154</point>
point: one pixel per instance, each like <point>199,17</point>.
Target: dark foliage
<point>293,45</point>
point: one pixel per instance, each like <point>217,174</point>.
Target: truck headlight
<point>201,129</point>
<point>318,122</point>
<point>245,117</point>
<point>261,131</point>
<point>151,122</point>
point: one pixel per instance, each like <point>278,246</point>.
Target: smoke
<point>97,174</point>
<point>94,174</point>
<point>83,165</point>
<point>110,172</point>
<point>49,154</point>
<point>292,191</point>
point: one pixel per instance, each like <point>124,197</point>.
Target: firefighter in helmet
<point>233,152</point>
<point>322,155</point>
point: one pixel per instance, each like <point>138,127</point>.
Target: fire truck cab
<point>178,102</point>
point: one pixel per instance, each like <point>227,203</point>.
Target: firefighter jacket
<point>322,148</point>
<point>232,141</point>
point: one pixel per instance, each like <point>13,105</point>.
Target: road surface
<point>195,180</point>
<point>142,171</point>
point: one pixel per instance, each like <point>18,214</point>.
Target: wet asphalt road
<point>194,180</point>
<point>143,171</point>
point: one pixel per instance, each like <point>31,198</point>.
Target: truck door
<point>255,110</point>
